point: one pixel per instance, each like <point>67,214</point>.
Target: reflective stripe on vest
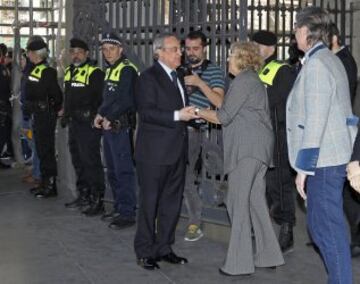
<point>114,74</point>
<point>82,74</point>
<point>269,71</point>
<point>37,71</point>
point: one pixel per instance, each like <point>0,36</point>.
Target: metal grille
<point>279,15</point>
<point>222,21</point>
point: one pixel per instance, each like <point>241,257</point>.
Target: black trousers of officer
<point>352,212</point>
<point>280,183</point>
<point>44,132</point>
<point>84,144</point>
<point>5,131</point>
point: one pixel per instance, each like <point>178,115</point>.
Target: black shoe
<point>3,166</point>
<point>96,204</point>
<point>148,263</point>
<point>109,216</point>
<point>81,201</point>
<point>73,204</point>
<point>173,258</point>
<point>222,272</point>
<point>120,223</point>
<point>286,238</point>
<point>36,189</point>
<point>48,189</point>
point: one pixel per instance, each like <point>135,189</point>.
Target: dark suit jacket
<point>351,70</point>
<point>160,140</point>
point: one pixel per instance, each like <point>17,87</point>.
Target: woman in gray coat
<point>248,147</point>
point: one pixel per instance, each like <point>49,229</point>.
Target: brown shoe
<point>31,180</point>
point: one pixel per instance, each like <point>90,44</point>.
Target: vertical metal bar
<point>139,25</point>
<point>131,24</point>
<point>116,24</point>
<point>124,20</point>
<point>342,19</point>
<point>186,16</point>
<point>111,13</point>
<point>351,25</point>
<point>31,15</point>
<point>283,36</point>
<point>268,15</point>
<point>252,16</point>
<point>147,30</point>
<point>243,19</point>
<point>277,14</point>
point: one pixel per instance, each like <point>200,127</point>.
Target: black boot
<point>48,189</point>
<point>81,201</point>
<point>96,206</point>
<point>286,238</point>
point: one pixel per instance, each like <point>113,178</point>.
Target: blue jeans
<point>120,171</point>
<point>326,221</point>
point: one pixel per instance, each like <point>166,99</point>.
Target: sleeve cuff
<point>306,159</point>
<point>176,115</point>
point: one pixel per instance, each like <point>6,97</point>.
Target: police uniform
<point>43,101</point>
<point>280,181</point>
<point>5,107</point>
<point>118,107</point>
<point>83,96</point>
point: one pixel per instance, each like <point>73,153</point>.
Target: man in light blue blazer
<point>321,130</point>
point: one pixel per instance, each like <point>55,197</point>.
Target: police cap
<point>36,45</point>
<point>78,43</point>
<point>265,38</point>
<point>111,38</point>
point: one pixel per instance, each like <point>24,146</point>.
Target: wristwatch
<point>197,110</point>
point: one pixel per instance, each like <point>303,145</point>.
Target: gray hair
<point>317,20</point>
<point>158,42</point>
<point>42,53</point>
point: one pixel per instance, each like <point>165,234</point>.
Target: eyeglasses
<point>173,49</point>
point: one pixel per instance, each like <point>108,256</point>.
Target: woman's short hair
<point>246,55</point>
<point>158,42</point>
<point>317,20</point>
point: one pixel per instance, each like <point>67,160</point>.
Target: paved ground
<point>42,242</point>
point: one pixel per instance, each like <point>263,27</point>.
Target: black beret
<point>265,38</point>
<point>36,45</point>
<point>111,38</point>
<point>78,43</point>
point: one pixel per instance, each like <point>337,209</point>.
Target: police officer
<point>116,116</point>
<point>43,101</point>
<point>278,78</point>
<point>5,106</point>
<point>83,95</point>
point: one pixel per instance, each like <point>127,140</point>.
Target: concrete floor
<point>42,242</point>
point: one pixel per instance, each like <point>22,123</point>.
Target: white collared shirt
<point>168,71</point>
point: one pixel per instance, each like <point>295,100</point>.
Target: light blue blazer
<point>321,128</point>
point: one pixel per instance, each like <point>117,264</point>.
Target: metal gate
<point>222,21</point>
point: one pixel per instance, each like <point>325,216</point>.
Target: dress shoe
<point>96,204</point>
<point>109,216</point>
<point>173,258</point>
<point>286,238</point>
<point>121,222</point>
<point>148,263</point>
<point>48,189</point>
<point>222,272</point>
<point>3,166</point>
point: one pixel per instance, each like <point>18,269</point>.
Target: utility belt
<point>126,120</point>
<point>83,115</point>
<point>39,107</point>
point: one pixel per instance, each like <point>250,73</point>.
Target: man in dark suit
<point>351,198</point>
<point>160,153</point>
